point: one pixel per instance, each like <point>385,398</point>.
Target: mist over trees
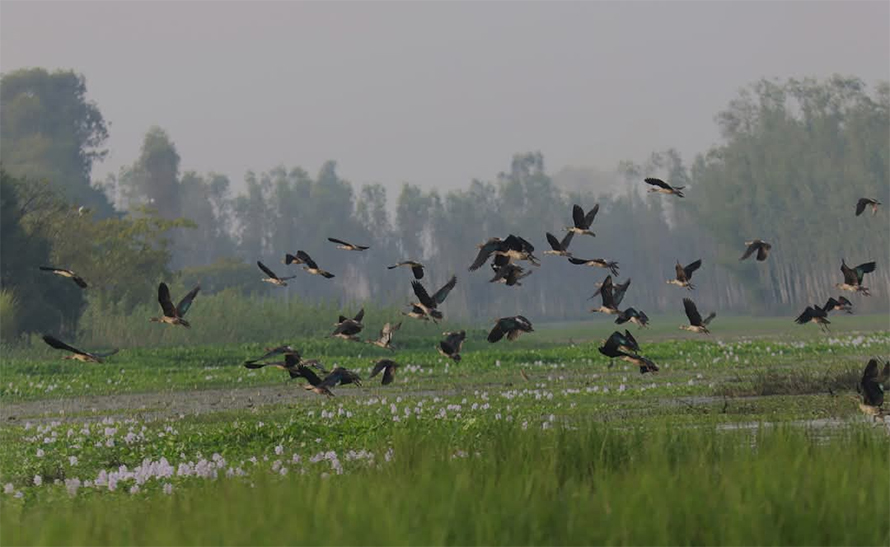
<point>795,156</point>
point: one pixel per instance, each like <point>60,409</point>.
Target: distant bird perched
<point>429,303</point>
<point>347,329</point>
<point>814,314</point>
<point>841,304</point>
<point>559,248</point>
<point>863,202</point>
<point>173,315</point>
<point>638,318</point>
<point>389,370</point>
<point>512,327</point>
<point>696,323</point>
<point>617,290</point>
<point>662,187</point>
<point>581,222</point>
<point>310,265</point>
<point>450,347</point>
<point>384,340</point>
<point>608,306</point>
<point>273,279</point>
<point>610,265</point>
<point>871,388</point>
<point>347,246</point>
<point>853,277</point>
<point>66,273</point>
<point>416,268</point>
<point>77,355</point>
<point>625,347</point>
<point>684,275</point>
<point>509,274</point>
<point>760,247</point>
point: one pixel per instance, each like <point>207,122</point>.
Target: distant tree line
<point>794,158</point>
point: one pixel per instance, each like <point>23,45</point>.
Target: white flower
<point>168,488</point>
<point>38,480</point>
<point>40,453</point>
<point>72,460</point>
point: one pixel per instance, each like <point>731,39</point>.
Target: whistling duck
<point>853,277</point>
<point>863,202</point>
<point>610,265</point>
<point>347,246</point>
<point>428,303</point>
<point>389,370</point>
<point>696,323</point>
<point>662,187</point>
<point>416,268</point>
<point>759,246</point>
<point>841,304</point>
<point>684,275</point>
<point>582,222</point>
<point>637,317</point>
<point>273,279</point>
<point>66,273</point>
<point>385,339</point>
<point>559,248</point>
<point>608,306</point>
<point>310,265</point>
<point>511,326</point>
<point>509,274</point>
<point>814,314</point>
<point>77,355</point>
<point>450,347</point>
<point>173,314</point>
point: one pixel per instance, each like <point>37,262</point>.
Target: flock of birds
<point>507,255</point>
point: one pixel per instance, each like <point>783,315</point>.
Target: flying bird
<point>271,352</point>
<point>863,202</point>
<point>510,326</point>
<point>617,291</point>
<point>416,268</point>
<point>291,259</point>
<point>76,354</point>
<point>610,265</point>
<point>814,314</point>
<point>637,317</point>
<point>841,304</point>
<point>310,265</point>
<point>581,222</point>
<point>696,323</point>
<point>348,329</point>
<point>871,388</point>
<point>272,278</point>
<point>559,248</point>
<point>389,370</point>
<point>853,277</point>
<point>347,246</point>
<point>66,273</point>
<point>509,274</point>
<point>384,340</point>
<point>608,306</point>
<point>315,383</point>
<point>684,275</point>
<point>517,248</point>
<point>416,313</point>
<point>450,347</point>
<point>429,303</point>
<point>662,187</point>
<point>173,315</point>
<point>760,247</point>
<point>625,347</point>
<point>290,364</point>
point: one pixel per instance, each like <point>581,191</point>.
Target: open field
<point>750,436</point>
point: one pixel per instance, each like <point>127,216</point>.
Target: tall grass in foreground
<point>584,484</point>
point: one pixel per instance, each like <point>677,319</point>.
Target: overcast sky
<point>431,93</point>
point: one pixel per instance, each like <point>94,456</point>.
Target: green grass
<point>578,485</point>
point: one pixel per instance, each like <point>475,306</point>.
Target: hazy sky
<point>434,93</point>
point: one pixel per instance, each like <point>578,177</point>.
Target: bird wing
<point>58,344</point>
<point>80,281</point>
<point>591,214</point>
<point>707,319</point>
<point>389,373</point>
<point>850,277</point>
<point>442,293</point>
<point>359,316</point>
<point>606,292</point>
<point>554,243</point>
<point>681,273</point>
<point>266,270</point>
<point>632,342</point>
<point>763,251</point>
<point>309,374</point>
<point>579,261</point>
<point>657,182</point>
<point>340,241</point>
<point>500,328</point>
<point>577,216</point>
<point>843,300</point>
<point>566,240</point>
<point>863,269</point>
<point>378,366</point>
<point>691,268</point>
<point>485,252</point>
<point>304,257</point>
<point>525,245</point>
<point>692,312</point>
<point>291,259</point>
<point>618,292</point>
<point>165,301</point>
<point>749,251</point>
<point>186,301</point>
<point>860,205</point>
<point>422,295</point>
<point>830,304</point>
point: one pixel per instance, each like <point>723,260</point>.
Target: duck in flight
<point>865,202</point>
<point>853,277</point>
<point>581,222</point>
<point>512,327</point>
<point>416,267</point>
<point>450,347</point>
<point>696,323</point>
<point>64,272</point>
<point>610,265</point>
<point>757,246</point>
<point>76,354</point>
<point>559,248</point>
<point>384,340</point>
<point>662,187</point>
<point>346,246</point>
<point>684,275</point>
<point>173,315</point>
<point>429,303</point>
<point>814,314</point>
<point>309,265</point>
<point>388,367</point>
<point>272,278</point>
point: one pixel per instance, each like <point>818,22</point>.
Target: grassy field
<point>751,436</point>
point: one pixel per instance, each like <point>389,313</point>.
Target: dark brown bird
<point>509,274</point>
<point>760,247</point>
<point>853,277</point>
<point>416,268</point>
<point>450,347</point>
<point>173,315</point>
<point>871,388</point>
<point>512,327</point>
<point>389,370</point>
<point>617,290</point>
<point>77,355</point>
<point>814,314</point>
<point>610,265</point>
<point>841,304</point>
<point>310,265</point>
<point>608,306</point>
<point>684,275</point>
<point>581,222</point>
<point>347,246</point>
<point>864,202</point>
<point>637,317</point>
<point>625,347</point>
<point>272,278</point>
<point>429,303</point>
<point>696,323</point>
<point>348,329</point>
<point>66,273</point>
<point>559,248</point>
<point>662,187</point>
